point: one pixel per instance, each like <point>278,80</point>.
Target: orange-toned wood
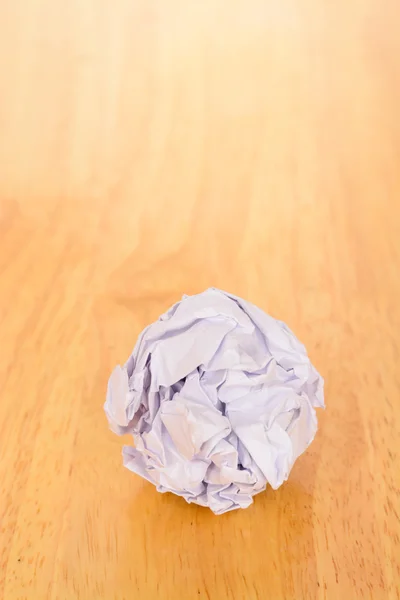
<point>150,149</point>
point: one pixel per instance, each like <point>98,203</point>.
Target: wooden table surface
<point>151,149</point>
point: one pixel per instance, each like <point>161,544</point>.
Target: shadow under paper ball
<point>241,554</point>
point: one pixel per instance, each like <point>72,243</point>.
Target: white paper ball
<point>219,398</point>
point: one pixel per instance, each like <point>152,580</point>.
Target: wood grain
<point>150,149</point>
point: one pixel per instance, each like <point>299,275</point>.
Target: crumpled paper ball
<point>219,398</point>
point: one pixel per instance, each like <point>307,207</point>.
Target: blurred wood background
<point>150,149</point>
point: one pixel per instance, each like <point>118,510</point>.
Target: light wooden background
<point>152,148</point>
